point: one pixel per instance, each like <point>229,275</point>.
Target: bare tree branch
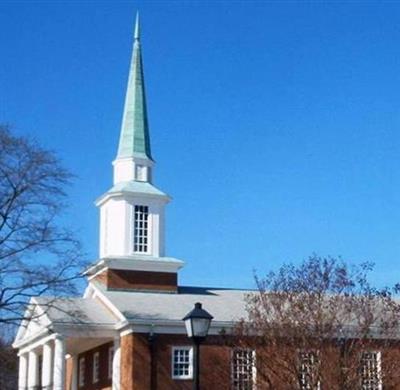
<point>325,311</point>
<point>38,255</point>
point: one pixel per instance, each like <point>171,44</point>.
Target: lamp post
<point>197,324</point>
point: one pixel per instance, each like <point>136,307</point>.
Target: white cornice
<point>137,263</point>
<point>109,305</point>
<point>167,327</point>
<point>138,160</point>
<point>131,196</point>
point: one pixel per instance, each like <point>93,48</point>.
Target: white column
<point>33,370</point>
<point>47,366</point>
<point>74,381</point>
<point>116,372</point>
<point>59,364</point>
<point>23,371</point>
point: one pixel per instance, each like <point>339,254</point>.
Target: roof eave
<point>130,194</point>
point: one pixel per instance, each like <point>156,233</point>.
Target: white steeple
<point>132,212</point>
<point>134,161</point>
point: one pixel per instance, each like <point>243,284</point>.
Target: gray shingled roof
<point>75,311</point>
<point>224,305</point>
<point>136,187</point>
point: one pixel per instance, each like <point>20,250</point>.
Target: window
<point>182,362</point>
<point>371,371</point>
<point>110,361</point>
<point>96,366</point>
<point>140,173</point>
<point>141,243</point>
<point>308,371</point>
<point>81,373</point>
<point>243,369</point>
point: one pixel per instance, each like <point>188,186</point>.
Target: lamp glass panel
<point>200,327</point>
<point>189,330</point>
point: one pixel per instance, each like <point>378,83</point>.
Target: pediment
<point>34,323</point>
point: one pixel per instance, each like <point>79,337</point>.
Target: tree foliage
<point>314,323</point>
<point>38,255</point>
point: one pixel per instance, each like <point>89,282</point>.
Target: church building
<point>126,332</point>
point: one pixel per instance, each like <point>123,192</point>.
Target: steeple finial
<point>135,138</point>
<point>137,27</point>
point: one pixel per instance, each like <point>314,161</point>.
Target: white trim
<point>116,365</point>
<point>86,330</point>
<point>96,367</point>
<point>97,273</point>
<point>88,293</point>
<point>26,345</point>
<point>138,160</point>
<point>95,267</point>
<point>107,302</point>
<point>74,376</point>
<point>131,196</point>
<point>309,360</point>
<point>81,371</point>
<point>378,366</point>
<point>141,209</point>
<point>126,332</point>
<point>110,358</point>
<point>168,327</point>
<point>136,262</point>
<point>29,312</point>
<point>190,362</point>
<point>253,367</point>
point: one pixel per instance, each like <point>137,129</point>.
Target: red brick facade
<point>138,280</point>
<point>104,382</point>
<point>146,364</point>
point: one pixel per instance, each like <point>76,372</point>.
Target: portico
<point>47,358</point>
<point>50,344</point>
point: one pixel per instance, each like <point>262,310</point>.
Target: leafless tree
<point>8,359</point>
<point>38,254</point>
<point>322,325</point>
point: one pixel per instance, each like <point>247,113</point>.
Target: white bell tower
<point>132,212</point>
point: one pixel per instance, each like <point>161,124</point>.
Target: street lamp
<point>197,323</point>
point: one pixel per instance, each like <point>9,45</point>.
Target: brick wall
<point>138,280</point>
<point>104,383</point>
<point>147,365</point>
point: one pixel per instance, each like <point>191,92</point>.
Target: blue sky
<point>275,125</point>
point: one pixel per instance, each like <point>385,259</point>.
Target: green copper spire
<point>135,139</point>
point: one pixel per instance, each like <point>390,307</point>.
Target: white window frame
<point>141,172</point>
<point>81,372</point>
<point>96,367</point>
<point>378,370</point>
<point>148,232</point>
<point>303,372</point>
<point>253,373</point>
<point>190,368</point>
<point>110,361</point>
